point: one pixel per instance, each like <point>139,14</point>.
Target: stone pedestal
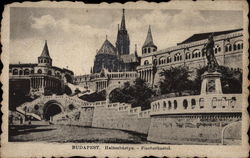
<point>211,83</point>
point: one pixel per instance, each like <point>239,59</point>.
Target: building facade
<point>40,78</point>
<point>228,52</point>
<point>118,58</point>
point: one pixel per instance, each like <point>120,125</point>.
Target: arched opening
<point>185,104</point>
<point>39,71</point>
<point>68,78</point>
<point>15,72</point>
<point>193,103</point>
<point>175,104</point>
<point>26,72</point>
<point>20,72</point>
<point>51,109</point>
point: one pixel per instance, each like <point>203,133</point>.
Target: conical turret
<point>44,59</point>
<point>149,45</point>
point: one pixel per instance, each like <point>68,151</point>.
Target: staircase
<point>20,110</point>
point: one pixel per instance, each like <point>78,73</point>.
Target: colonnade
<point>146,75</point>
<point>101,85</point>
<point>44,82</point>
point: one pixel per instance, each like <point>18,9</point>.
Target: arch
<point>169,104</point>
<point>185,103</point>
<point>162,60</point>
<point>15,72</point>
<point>49,72</point>
<point>196,53</point>
<point>20,72</point>
<point>201,103</point>
<point>238,45</point>
<point>149,50</point>
<point>193,103</point>
<point>146,62</point>
<point>188,55</point>
<point>111,88</point>
<point>32,71</point>
<point>51,108</point>
<point>68,78</point>
<point>26,72</point>
<point>155,61</point>
<point>175,104</point>
<point>232,130</point>
<point>164,104</point>
<point>39,71</point>
<point>169,60</point>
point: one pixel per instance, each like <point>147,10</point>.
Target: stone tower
<point>44,59</point>
<point>122,42</point>
<point>149,45</point>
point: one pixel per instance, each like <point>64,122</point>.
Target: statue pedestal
<point>211,83</point>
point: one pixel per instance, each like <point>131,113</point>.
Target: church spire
<point>123,25</point>
<point>45,52</point>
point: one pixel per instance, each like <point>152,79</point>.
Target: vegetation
<point>178,80</point>
<point>138,94</point>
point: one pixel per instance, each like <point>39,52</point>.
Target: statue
<point>209,52</point>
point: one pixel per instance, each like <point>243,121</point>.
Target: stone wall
<point>190,128</point>
<point>81,117</point>
<point>113,118</point>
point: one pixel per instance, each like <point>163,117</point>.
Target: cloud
<point>73,39</point>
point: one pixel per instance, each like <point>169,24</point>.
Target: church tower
<point>149,45</point>
<point>122,42</point>
<point>44,59</point>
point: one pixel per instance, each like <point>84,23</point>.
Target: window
<point>26,72</point>
<point>169,59</point>
<point>146,62</point>
<point>15,72</point>
<point>169,105</point>
<point>49,72</point>
<point>185,104</point>
<point>201,103</point>
<point>238,45</point>
<point>228,48</point>
<point>155,61</point>
<point>214,102</point>
<point>20,72</point>
<point>149,50</point>
<point>177,57</point>
<point>196,53</point>
<point>162,60</point>
<point>175,104</point>
<point>193,103</point>
<point>32,71</point>
<point>188,55</point>
<point>164,104</point>
<point>39,71</point>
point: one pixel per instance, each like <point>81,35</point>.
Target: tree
<point>138,94</point>
<point>176,79</point>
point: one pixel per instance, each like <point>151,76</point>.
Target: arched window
<point>188,55</point>
<point>26,72</point>
<point>230,48</point>
<point>49,72</point>
<point>32,71</point>
<point>169,105</point>
<point>185,104</point>
<point>175,104</point>
<point>149,50</point>
<point>155,61</point>
<point>15,72</point>
<point>39,71</point>
<point>164,104</point>
<point>196,53</point>
<point>168,59</point>
<point>201,103</point>
<point>146,62</point>
<point>193,103</point>
<point>238,45</point>
<point>20,72</point>
<point>162,60</point>
<point>177,57</point>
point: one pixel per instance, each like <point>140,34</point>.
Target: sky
<point>74,34</point>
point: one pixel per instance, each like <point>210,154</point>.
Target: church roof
<point>149,40</point>
<point>107,48</point>
<point>201,36</point>
<point>45,52</point>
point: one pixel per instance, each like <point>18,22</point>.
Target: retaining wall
<point>190,129</point>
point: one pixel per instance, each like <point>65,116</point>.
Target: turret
<point>44,59</point>
<point>149,46</point>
